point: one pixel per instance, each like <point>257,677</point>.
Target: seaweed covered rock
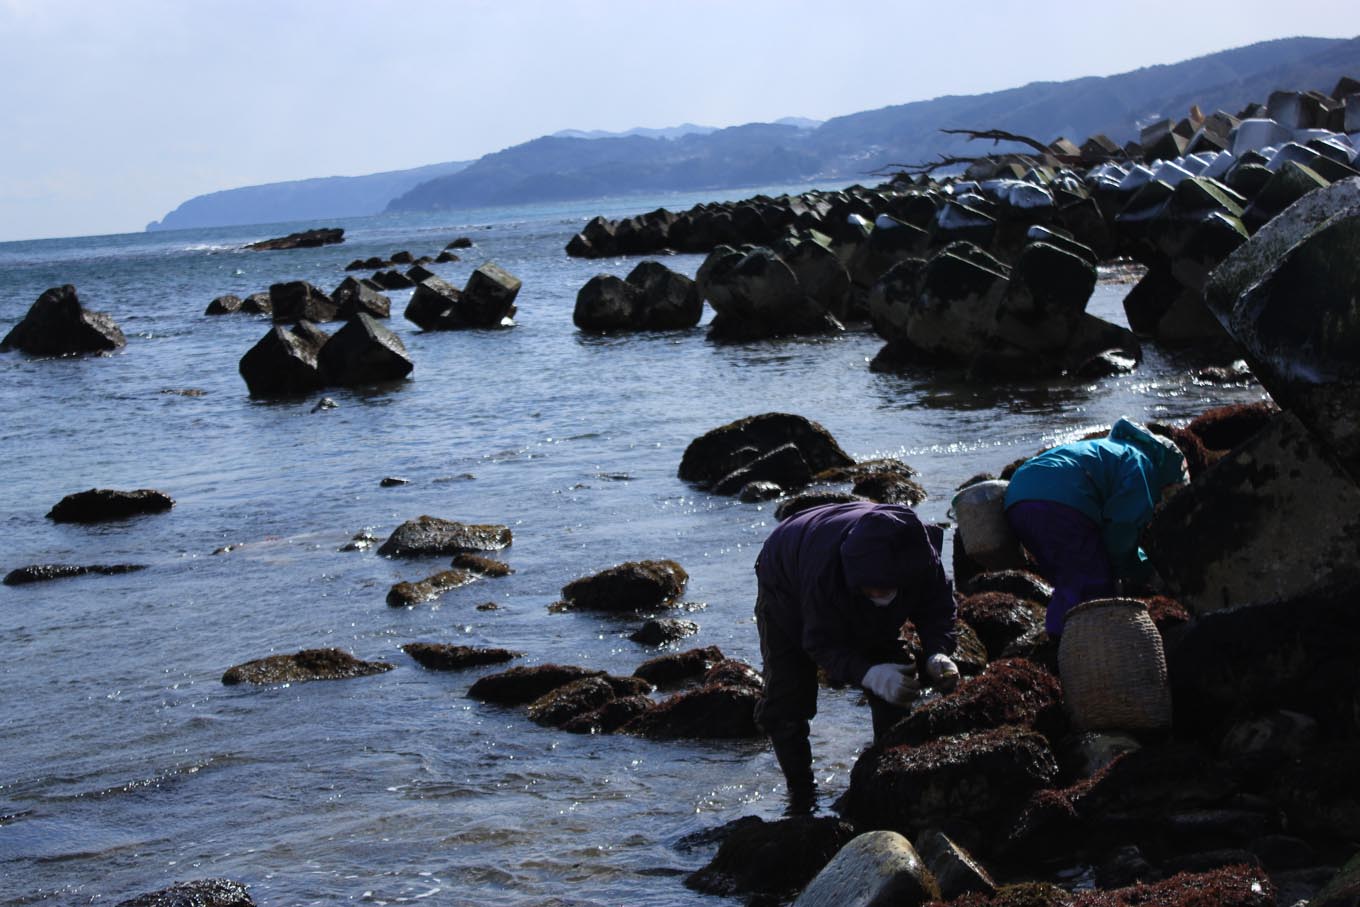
<point>406,594</point>
<point>199,893</point>
<point>481,564</point>
<point>1012,692</point>
<point>1229,886</point>
<point>731,672</point>
<point>426,535</point>
<point>771,857</point>
<point>38,573</point>
<point>58,325</point>
<point>1000,618</point>
<point>800,502</point>
<point>712,712</point>
<point>711,459</point>
<point>520,685</point>
<point>309,664</point>
<point>571,700</point>
<point>1225,427</point>
<point>99,504</point>
<point>981,777</point>
<point>663,631</point>
<point>633,586</point>
<point>692,663</point>
<point>609,717</point>
<point>446,657</point>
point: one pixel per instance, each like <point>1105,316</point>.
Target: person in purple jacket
<point>835,584</point>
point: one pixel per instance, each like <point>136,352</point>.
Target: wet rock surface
<point>771,857</point>
<point>519,686</point>
<point>201,893</point>
<point>663,631</point>
<point>406,594</point>
<point>38,573</point>
<point>309,664</point>
<point>634,586</point>
<point>787,447</point>
<point>58,325</point>
<point>100,504</point>
<point>427,536</point>
<point>305,239</point>
<point>672,668</point>
<point>447,657</point>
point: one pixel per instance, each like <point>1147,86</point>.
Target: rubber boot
<point>795,761</point>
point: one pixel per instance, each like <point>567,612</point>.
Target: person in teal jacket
<point>1078,509</point>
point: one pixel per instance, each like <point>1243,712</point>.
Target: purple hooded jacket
<point>813,565</point>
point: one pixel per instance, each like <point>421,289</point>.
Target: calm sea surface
<point>125,764</point>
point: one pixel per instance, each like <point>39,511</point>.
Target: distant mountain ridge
<point>320,198</point>
<point>580,165</point>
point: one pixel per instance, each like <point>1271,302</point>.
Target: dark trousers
<point>1070,553</point>
<point>789,701</point>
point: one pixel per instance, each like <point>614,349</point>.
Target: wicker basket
<point>1113,667</point>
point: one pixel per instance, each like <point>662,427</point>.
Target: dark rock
<point>392,280</point>
<point>223,305</point>
<point>98,504</point>
<point>716,454</point>
<point>1105,364</point>
<point>753,492</point>
<point>419,272</point>
<point>890,488</point>
<point>877,867</point>
<point>488,300</point>
<point>353,297</point>
<point>1045,299</point>
<point>784,466</point>
<point>1216,542</point>
<point>57,325</point>
<point>733,673</point>
<point>606,303</point>
<point>520,685</point>
<point>1126,865</point>
<point>1001,618</point>
<point>432,305</point>
<point>1010,692</point>
<point>283,363</point>
<point>200,893</point>
<point>461,242</point>
<point>402,258</point>
<point>427,535</point>
<point>771,857</point>
<point>756,295</point>
<point>37,573</point>
<point>668,301</point>
<point>970,654</point>
<point>663,631</point>
<point>445,257</point>
<point>799,503</point>
<point>708,713</point>
<point>562,704</point>
<point>444,657</point>
<point>1225,427</point>
<point>363,352</point>
<point>1020,583</point>
<point>486,566</point>
<point>666,669</point>
<point>822,278</point>
<point>609,717</point>
<point>309,664</point>
<point>954,869</point>
<point>307,239</point>
<point>406,594</point>
<point>257,304</point>
<point>633,586</point>
<point>393,481</point>
<point>298,300</point>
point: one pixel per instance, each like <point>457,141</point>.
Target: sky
<point>113,113</point>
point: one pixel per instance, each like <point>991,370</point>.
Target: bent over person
<point>835,584</point>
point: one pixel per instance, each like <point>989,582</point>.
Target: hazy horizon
<point>120,112</point>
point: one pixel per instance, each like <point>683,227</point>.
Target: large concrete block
<point>1275,519</point>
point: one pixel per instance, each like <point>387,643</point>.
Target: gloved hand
<point>893,683</point>
<point>940,668</point>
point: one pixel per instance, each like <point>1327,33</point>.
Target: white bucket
<point>980,510</point>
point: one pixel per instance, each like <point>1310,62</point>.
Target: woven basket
<point>1113,667</point>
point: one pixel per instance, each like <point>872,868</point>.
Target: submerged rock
<point>426,535</point>
<point>36,573</point>
<point>57,325</point>
<point>634,586</point>
<point>363,352</point>
<point>666,669</point>
<point>446,657</point>
<point>200,893</point>
<point>663,631</point>
<point>98,504</point>
<point>406,594</point>
<point>306,239</point>
<point>223,305</point>
<point>710,712</point>
<point>486,566</point>
<point>283,363</point>
<point>521,685</point>
<point>309,664</point>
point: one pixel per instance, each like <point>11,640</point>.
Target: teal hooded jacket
<point>1116,481</point>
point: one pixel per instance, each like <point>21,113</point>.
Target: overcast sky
<point>113,113</point>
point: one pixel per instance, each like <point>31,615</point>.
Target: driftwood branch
<point>1000,135</point>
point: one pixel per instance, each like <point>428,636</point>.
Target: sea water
<point>126,765</point>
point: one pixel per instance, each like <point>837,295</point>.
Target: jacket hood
<point>1166,457</point>
<point>882,550</point>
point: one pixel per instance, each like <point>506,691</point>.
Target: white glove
<point>892,683</point>
<point>941,669</point>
